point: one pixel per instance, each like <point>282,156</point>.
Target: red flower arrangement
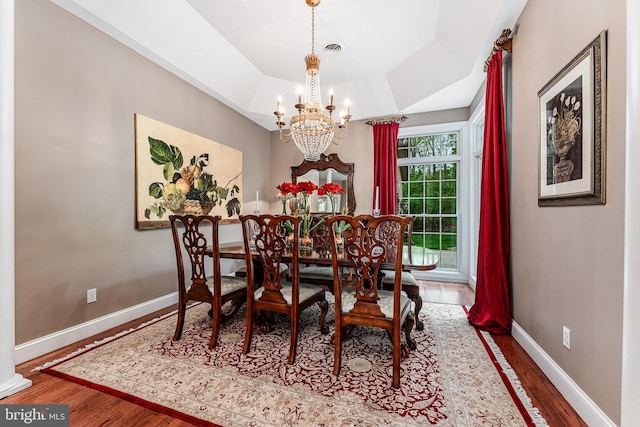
<point>287,190</point>
<point>305,188</point>
<point>330,189</point>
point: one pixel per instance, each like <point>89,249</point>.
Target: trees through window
<point>429,190</point>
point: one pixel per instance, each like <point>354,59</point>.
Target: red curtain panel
<point>385,167</point>
<point>492,308</point>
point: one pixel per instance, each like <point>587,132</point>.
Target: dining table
<point>413,258</point>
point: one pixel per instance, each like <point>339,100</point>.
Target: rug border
<point>47,368</point>
<point>527,410</point>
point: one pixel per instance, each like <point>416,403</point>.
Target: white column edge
<point>630,393</point>
<point>10,381</point>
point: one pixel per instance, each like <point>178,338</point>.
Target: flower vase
<point>339,241</point>
<point>289,242</point>
<point>306,243</point>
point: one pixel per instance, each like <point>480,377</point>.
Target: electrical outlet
<point>92,295</point>
<point>566,337</point>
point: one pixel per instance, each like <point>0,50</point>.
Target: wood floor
<point>93,408</point>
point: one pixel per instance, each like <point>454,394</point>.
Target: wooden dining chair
<point>266,237</point>
<point>321,275</point>
<point>198,234</point>
<point>367,304</point>
<point>389,233</point>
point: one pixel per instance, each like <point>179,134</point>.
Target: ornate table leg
<point>413,292</point>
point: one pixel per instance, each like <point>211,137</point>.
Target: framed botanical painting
<point>572,113</point>
<point>178,172</point>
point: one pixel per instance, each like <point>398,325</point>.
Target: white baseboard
<point>581,402</point>
<point>51,342</point>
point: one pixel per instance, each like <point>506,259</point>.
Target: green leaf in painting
<point>177,157</point>
<point>222,192</point>
<point>147,213</point>
<point>167,171</point>
<point>207,181</point>
<point>155,190</point>
<point>233,206</point>
<point>203,160</point>
<point>160,151</point>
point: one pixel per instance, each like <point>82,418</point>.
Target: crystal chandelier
<point>311,129</point>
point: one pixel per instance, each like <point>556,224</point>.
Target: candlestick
<point>257,197</point>
<point>377,198</point>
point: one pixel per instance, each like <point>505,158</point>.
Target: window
<point>430,169</point>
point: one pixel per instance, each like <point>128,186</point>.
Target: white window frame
<point>462,274</point>
<point>476,134</point>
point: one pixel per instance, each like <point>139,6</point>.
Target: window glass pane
<point>433,206</point>
<point>449,225</point>
<point>432,172</point>
<point>418,224</point>
<point>433,189</point>
<point>403,148</point>
<point>449,171</point>
<point>449,242</point>
<point>449,188</point>
<point>416,173</point>
<point>416,189</point>
<point>432,224</point>
<point>432,240</point>
<point>448,206</point>
<point>416,206</point>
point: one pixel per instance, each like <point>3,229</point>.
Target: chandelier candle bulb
<point>331,97</point>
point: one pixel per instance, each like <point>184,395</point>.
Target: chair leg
<point>249,329</point>
<point>337,342</point>
<point>397,356</point>
<point>408,326</point>
<point>215,328</point>
<point>182,306</point>
<point>324,307</point>
<point>235,306</point>
<point>419,323</point>
<point>294,339</point>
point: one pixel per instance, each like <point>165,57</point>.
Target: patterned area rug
<point>456,376</point>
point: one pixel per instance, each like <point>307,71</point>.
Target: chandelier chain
<point>313,30</point>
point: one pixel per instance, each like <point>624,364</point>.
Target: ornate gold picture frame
<point>572,116</point>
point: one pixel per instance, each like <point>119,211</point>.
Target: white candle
<point>377,198</point>
<point>257,200</point>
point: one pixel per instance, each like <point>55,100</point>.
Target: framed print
<point>178,172</point>
<point>572,131</point>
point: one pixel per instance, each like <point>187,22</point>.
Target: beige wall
<point>76,92</point>
<point>357,147</point>
<point>568,261</point>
